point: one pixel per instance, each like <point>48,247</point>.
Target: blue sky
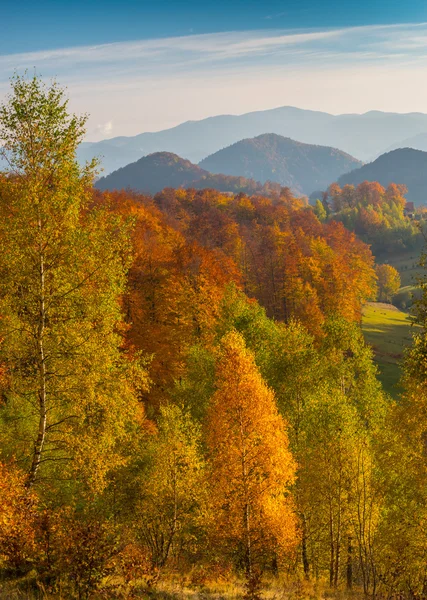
<point>40,25</point>
<point>142,66</point>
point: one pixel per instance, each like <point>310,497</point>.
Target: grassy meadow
<point>388,330</point>
<point>406,263</point>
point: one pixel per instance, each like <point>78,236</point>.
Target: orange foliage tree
<point>291,263</point>
<point>251,466</point>
<point>175,287</point>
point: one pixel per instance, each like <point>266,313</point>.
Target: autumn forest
<point>187,399</point>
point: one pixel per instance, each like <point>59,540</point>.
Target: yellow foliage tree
<point>388,282</point>
<point>171,505</point>
<point>69,392</point>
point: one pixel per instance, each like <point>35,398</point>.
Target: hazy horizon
<point>272,108</point>
<point>135,70</point>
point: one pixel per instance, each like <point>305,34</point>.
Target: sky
<point>139,66</point>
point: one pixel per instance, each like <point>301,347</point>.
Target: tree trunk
<point>331,563</point>
<point>349,569</point>
<point>41,359</point>
<point>337,549</point>
<point>246,509</point>
<point>305,562</point>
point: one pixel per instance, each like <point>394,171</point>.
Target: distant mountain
<point>405,166</point>
<point>362,136</point>
<point>417,142</point>
<point>270,157</point>
<point>154,172</point>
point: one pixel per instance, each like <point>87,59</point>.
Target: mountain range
<point>152,173</point>
<point>406,166</point>
<point>270,157</point>
<point>266,158</point>
<point>364,136</point>
<point>417,142</point>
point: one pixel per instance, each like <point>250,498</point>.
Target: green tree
<point>68,387</point>
<point>173,496</point>
<point>333,402</point>
<point>402,546</point>
<point>402,537</point>
<point>319,211</point>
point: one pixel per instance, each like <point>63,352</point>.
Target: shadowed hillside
<point>160,170</point>
<point>270,157</point>
<point>405,166</point>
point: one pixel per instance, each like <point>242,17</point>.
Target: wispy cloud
<point>187,49</point>
<point>105,129</point>
<point>150,84</point>
<point>275,16</point>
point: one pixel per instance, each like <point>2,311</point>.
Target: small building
<point>409,210</point>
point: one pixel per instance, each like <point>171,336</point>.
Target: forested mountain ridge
<point>150,174</point>
<point>363,136</point>
<point>270,157</point>
<point>377,214</point>
<point>404,166</point>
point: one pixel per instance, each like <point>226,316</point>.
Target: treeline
<point>152,173</point>
<point>376,214</point>
<point>294,265</point>
<point>233,184</point>
<point>185,387</point>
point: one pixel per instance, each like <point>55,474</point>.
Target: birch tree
<point>67,395</point>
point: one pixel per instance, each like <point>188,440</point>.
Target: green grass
<point>388,330</point>
<point>408,288</point>
<point>406,263</point>
<point>406,296</point>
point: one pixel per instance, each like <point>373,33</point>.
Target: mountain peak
<point>272,157</point>
<point>405,166</point>
<point>360,135</point>
<point>151,174</point>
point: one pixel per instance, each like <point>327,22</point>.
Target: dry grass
<point>180,588</point>
<point>272,589</point>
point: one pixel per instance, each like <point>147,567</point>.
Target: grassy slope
<point>406,263</point>
<point>388,330</point>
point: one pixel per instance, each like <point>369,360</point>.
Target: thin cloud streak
<point>154,84</point>
<point>212,46</point>
<point>215,46</point>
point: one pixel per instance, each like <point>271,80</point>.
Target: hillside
<point>363,136</point>
<point>417,142</point>
<point>154,172</point>
<point>404,166</point>
<point>270,157</point>
<point>388,330</point>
